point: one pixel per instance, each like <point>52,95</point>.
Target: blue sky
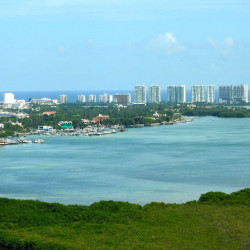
<point>116,44</point>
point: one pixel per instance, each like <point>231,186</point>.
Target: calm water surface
<point>165,163</point>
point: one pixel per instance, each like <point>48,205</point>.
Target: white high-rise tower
<point>210,93</point>
<point>198,93</point>
<point>9,98</point>
<point>176,93</point>
<point>154,94</point>
<point>140,94</point>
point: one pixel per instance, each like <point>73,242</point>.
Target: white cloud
<point>167,38</point>
<point>165,44</point>
<point>225,45</point>
<point>61,49</point>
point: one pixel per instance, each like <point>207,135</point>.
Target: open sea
<point>72,95</point>
<point>171,164</point>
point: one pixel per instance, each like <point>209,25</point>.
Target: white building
<point>92,98</point>
<point>140,94</point>
<point>63,98</point>
<point>44,101</point>
<point>154,94</point>
<point>176,93</point>
<point>9,98</point>
<point>106,98</point>
<point>1,125</point>
<point>210,94</point>
<point>81,98</point>
<point>171,96</point>
<point>45,128</point>
<point>198,93</point>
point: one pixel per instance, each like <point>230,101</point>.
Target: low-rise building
<point>100,118</point>
<point>85,121</point>
<point>44,101</point>
<point>49,113</point>
<point>65,124</point>
<point>45,128</point>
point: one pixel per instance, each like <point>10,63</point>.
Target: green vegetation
<point>219,111</point>
<point>127,116</point>
<point>9,129</point>
<point>216,221</point>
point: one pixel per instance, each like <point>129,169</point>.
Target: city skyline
<point>70,45</point>
<point>153,94</point>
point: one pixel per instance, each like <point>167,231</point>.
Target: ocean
<point>72,95</point>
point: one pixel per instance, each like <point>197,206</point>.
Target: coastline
<point>88,131</point>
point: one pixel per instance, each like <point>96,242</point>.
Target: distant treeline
<point>127,116</point>
<point>216,221</point>
<point>217,111</point>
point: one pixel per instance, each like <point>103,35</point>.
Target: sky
<point>117,44</point>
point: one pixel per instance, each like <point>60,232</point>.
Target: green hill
<point>216,221</point>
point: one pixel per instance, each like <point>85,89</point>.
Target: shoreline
<point>88,131</point>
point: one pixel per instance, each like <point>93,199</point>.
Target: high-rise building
<point>63,98</point>
<point>106,98</point>
<point>140,94</point>
<point>92,98</point>
<point>240,93</point>
<point>233,93</point>
<point>210,93</point>
<point>225,93</point>
<point>9,98</point>
<point>154,94</point>
<point>180,92</point>
<point>171,96</point>
<point>124,99</point>
<point>198,93</point>
<point>176,93</point>
<point>81,98</point>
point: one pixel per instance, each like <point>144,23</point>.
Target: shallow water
<point>164,163</point>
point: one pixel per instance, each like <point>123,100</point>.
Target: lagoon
<point>171,164</point>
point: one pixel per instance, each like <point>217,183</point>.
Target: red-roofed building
<point>100,118</point>
<point>49,113</point>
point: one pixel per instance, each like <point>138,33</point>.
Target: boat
<point>24,141</point>
<point>122,130</point>
<point>38,141</point>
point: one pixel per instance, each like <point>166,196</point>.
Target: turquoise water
<point>164,163</point>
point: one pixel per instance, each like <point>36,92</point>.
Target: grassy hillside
<point>216,221</point>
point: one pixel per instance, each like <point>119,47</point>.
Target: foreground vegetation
<point>216,221</point>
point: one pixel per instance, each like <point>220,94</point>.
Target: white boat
<point>25,141</point>
<point>38,141</point>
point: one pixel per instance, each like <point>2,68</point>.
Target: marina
<point>91,130</point>
<point>20,141</point>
